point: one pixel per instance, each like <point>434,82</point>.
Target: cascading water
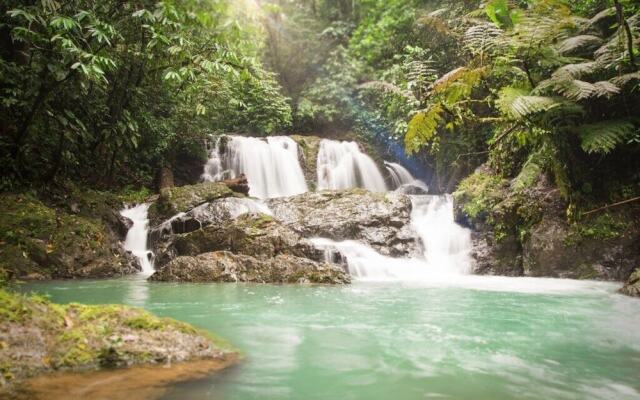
<point>271,165</point>
<point>341,165</point>
<point>399,174</point>
<point>447,247</point>
<point>136,240</point>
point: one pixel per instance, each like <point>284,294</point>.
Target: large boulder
<point>224,266</point>
<point>257,235</point>
<point>381,220</point>
<point>177,200</point>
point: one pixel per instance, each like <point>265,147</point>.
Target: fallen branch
<point>612,205</point>
<point>503,135</point>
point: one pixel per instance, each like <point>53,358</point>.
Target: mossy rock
<point>40,337</point>
<point>39,241</point>
<point>182,199</point>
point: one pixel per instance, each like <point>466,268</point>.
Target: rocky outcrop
<point>256,235</point>
<point>521,229</point>
<point>632,286</point>
<point>182,199</point>
<point>379,219</point>
<point>38,337</point>
<point>224,266</point>
<point>38,241</point>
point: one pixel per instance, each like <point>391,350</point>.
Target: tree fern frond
<point>603,137</point>
<point>464,76</point>
<point>481,38</point>
<point>624,80</point>
<point>603,16</point>
<point>422,128</point>
<point>386,87</point>
<point>580,90</point>
<point>519,104</point>
<point>579,44</point>
<point>576,71</point>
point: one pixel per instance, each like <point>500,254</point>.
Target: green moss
<point>605,226</point>
<point>479,194</point>
<point>144,322</point>
<point>181,199</point>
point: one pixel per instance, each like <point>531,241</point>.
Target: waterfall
<point>399,174</point>
<point>271,165</point>
<point>136,240</point>
<point>341,165</point>
<point>447,247</point>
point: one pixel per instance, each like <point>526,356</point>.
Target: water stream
<point>136,240</point>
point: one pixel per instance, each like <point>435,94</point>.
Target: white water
<point>399,174</point>
<point>341,165</point>
<point>271,165</point>
<point>447,247</point>
<point>136,240</point>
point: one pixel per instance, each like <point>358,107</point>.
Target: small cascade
<point>399,174</point>
<point>271,165</point>
<point>341,165</point>
<point>403,181</point>
<point>447,247</point>
<point>136,240</point>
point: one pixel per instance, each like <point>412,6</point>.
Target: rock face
<point>38,241</point>
<point>182,199</point>
<point>224,266</point>
<point>632,286</point>
<point>379,219</point>
<point>522,230</point>
<point>40,337</point>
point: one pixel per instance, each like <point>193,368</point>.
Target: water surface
<point>476,338</point>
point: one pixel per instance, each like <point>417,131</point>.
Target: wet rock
<point>257,235</point>
<point>182,199</point>
<point>632,286</point>
<point>522,230</point>
<point>224,266</point>
<point>379,219</point>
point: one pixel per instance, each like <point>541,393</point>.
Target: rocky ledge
<point>38,337</point>
<point>224,266</point>
<point>520,228</point>
<point>382,220</point>
<point>632,286</point>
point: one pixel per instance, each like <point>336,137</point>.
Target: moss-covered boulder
<point>39,241</point>
<point>184,198</point>
<point>38,337</point>
<point>632,285</point>
<point>224,266</point>
<point>381,220</point>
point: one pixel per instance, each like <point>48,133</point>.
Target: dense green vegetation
<point>107,93</point>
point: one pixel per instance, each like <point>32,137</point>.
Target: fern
<point>422,128</point>
<point>624,80</point>
<point>518,104</point>
<point>576,71</point>
<point>480,39</point>
<point>580,90</point>
<point>603,137</point>
<point>469,78</point>
<point>579,44</point>
<point>386,87</point>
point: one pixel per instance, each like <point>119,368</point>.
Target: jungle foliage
<point>458,83</point>
<point>106,91</point>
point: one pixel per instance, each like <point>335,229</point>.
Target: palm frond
<point>603,137</point>
<point>422,128</point>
